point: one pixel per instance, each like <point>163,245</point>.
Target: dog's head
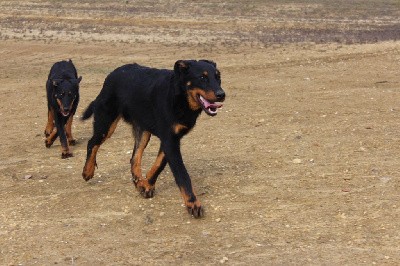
<point>65,92</point>
<point>201,81</point>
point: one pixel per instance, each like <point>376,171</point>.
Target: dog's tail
<point>88,112</point>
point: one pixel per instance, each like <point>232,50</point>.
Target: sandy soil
<point>300,167</point>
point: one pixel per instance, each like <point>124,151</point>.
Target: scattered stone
<point>206,233</point>
<point>223,260</point>
<point>148,220</point>
<point>297,161</point>
<point>26,177</point>
<point>218,220</point>
<point>162,214</point>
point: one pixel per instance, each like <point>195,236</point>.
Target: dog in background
<point>62,89</point>
<point>160,102</point>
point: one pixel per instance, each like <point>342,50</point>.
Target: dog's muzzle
<point>211,108</point>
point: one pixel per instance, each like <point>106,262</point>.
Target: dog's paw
<point>88,170</point>
<point>146,193</point>
<point>48,143</point>
<point>72,142</point>
<point>86,176</point>
<point>195,209</point>
<point>66,155</point>
<point>145,189</point>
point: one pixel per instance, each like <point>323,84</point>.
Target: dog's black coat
<point>160,102</point>
<point>62,89</point>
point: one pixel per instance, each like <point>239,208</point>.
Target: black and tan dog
<point>62,89</point>
<point>164,103</point>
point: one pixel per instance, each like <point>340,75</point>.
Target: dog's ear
<point>56,82</point>
<point>210,62</point>
<point>181,67</point>
<point>76,81</point>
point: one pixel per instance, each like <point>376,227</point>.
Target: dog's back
<point>132,90</point>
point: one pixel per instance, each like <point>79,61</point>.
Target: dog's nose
<point>66,109</point>
<point>220,95</point>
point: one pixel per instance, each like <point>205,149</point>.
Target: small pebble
<point>223,260</point>
<point>297,161</point>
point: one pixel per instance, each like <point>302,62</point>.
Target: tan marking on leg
<point>65,152</point>
<point>50,122</point>
<point>145,186</point>
<point>88,169</point>
<point>68,130</point>
<point>51,138</point>
<point>157,164</point>
<point>194,208</point>
<point>136,166</point>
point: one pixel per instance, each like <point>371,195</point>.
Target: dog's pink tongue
<point>207,104</point>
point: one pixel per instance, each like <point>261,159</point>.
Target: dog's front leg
<point>50,122</point>
<point>173,154</point>
<point>68,130</point>
<point>66,153</point>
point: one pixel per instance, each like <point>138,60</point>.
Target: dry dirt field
<point>300,167</point>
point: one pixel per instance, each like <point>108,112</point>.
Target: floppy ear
<point>181,67</point>
<point>210,62</point>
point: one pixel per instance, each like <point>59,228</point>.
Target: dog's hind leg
<point>103,126</point>
<point>68,131</point>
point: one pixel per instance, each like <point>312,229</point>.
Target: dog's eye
<point>204,78</point>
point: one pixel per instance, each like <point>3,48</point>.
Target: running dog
<point>160,102</point>
<point>62,89</point>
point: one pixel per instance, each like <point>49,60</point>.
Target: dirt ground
<point>300,166</point>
